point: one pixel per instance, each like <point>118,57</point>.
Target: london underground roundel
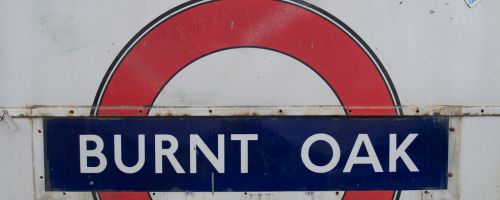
<point>196,29</point>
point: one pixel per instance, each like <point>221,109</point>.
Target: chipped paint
<point>327,110</point>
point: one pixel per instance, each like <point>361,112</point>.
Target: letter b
<point>97,153</point>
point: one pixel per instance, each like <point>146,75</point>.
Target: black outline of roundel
<point>322,13</point>
<point>299,3</point>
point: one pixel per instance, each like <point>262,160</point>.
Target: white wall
<point>436,52</point>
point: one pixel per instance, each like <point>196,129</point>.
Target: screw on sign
<point>160,51</point>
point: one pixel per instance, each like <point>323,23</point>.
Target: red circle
<point>177,38</point>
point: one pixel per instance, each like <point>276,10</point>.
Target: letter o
<point>304,153</point>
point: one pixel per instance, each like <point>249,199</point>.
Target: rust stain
<point>330,110</point>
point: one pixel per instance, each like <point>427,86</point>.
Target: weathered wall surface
<point>54,54</point>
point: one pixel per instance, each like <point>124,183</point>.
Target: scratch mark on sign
<point>213,184</point>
